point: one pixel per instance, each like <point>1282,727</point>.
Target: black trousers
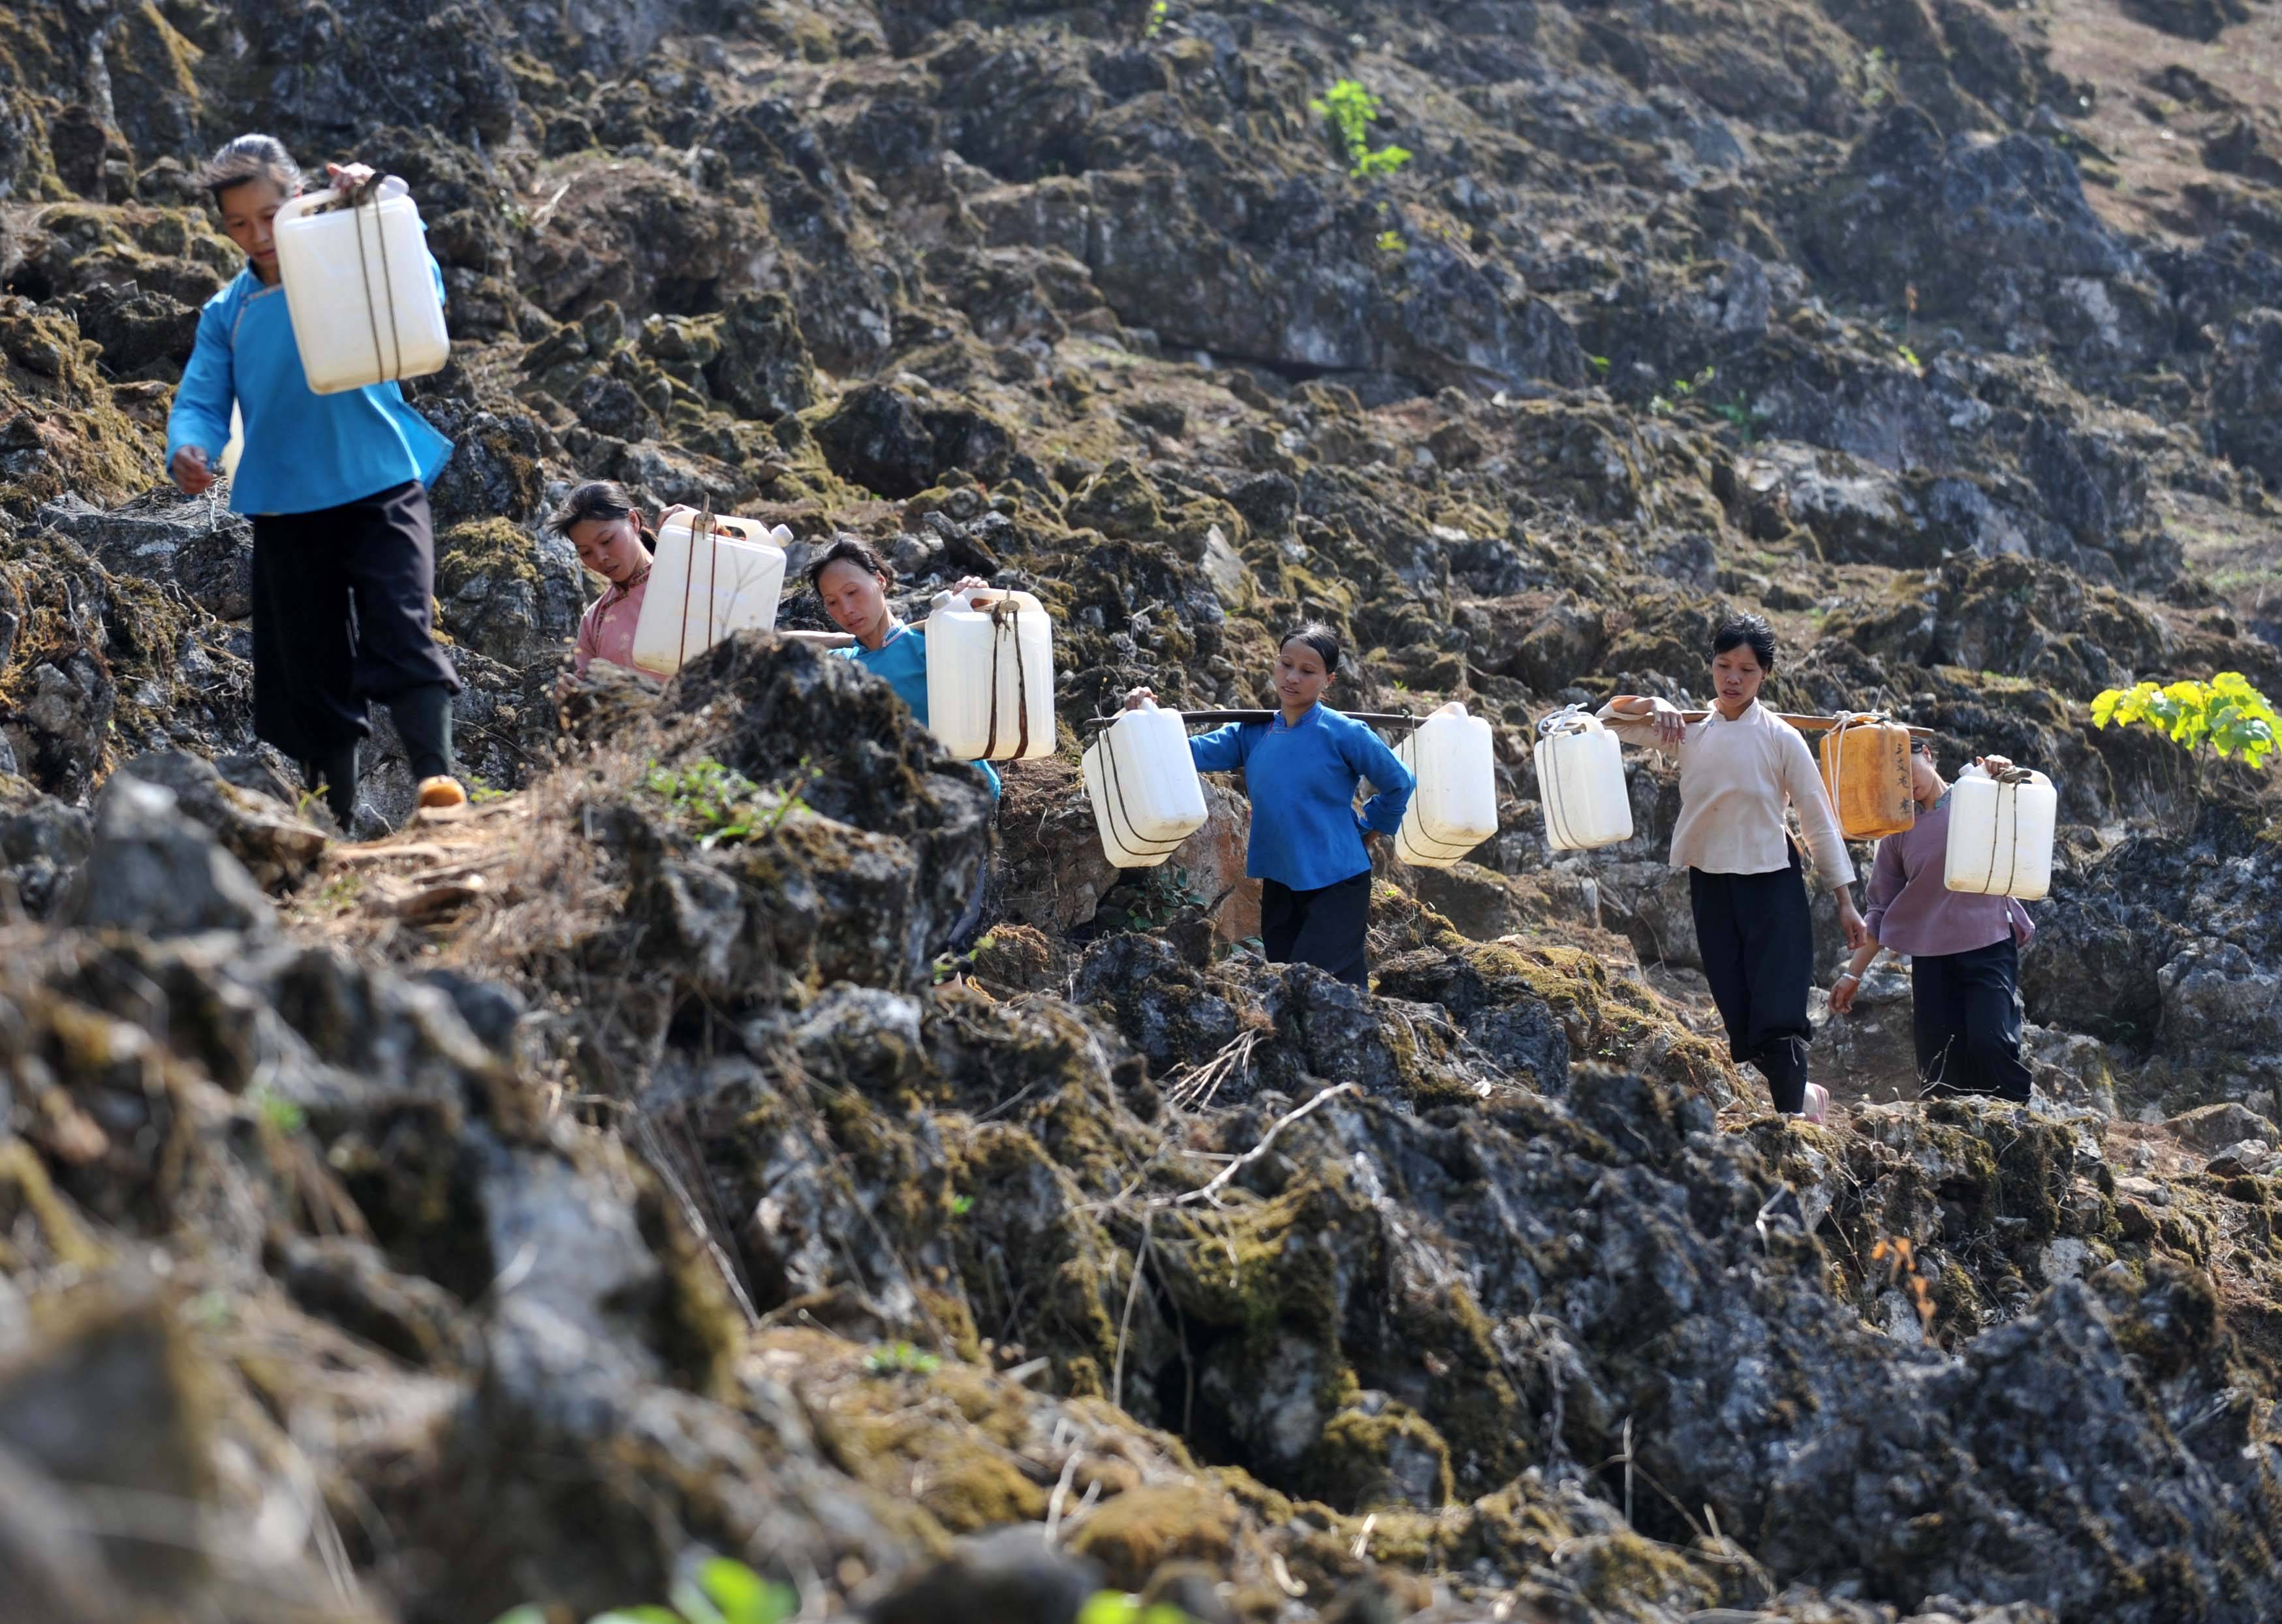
<point>1965,1013</point>
<point>1323,926</point>
<point>343,612</point>
<point>1758,941</point>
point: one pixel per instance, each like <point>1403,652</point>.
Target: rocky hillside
<point>508,1208</point>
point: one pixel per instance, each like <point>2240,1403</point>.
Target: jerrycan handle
<point>385,189</point>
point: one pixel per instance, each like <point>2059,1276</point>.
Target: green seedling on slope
<point>1350,110</point>
<point>718,1591</point>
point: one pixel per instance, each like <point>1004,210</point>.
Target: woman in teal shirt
<point>853,581</point>
<point>344,552</point>
<point>1310,849</point>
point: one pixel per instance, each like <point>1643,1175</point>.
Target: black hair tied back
<point>598,501</point>
<point>1746,632</point>
<point>248,157</point>
<point>1317,636</point>
<point>848,549</point>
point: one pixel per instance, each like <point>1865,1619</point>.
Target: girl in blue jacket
<point>344,557</point>
<point>852,581</point>
<point>1310,849</point>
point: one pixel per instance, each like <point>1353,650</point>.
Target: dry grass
<point>482,889</point>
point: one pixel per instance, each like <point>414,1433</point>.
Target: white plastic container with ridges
<point>1143,785</point>
<point>711,577</point>
<point>363,303</point>
<point>2000,833</point>
<point>236,449</point>
<point>1454,807</point>
<point>990,676</point>
<point>1580,783</point>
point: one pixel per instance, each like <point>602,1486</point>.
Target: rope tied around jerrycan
<point>2011,778</point>
<point>1569,719</point>
<point>356,198</point>
<point>1005,624</point>
<point>710,532</point>
<point>1837,741</point>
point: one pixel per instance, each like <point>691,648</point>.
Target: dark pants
<point>1323,926</point>
<point>344,605</point>
<point>1965,1012</point>
<point>1758,942</point>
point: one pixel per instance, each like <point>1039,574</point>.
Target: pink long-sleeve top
<point>606,631</point>
<point>1911,909</point>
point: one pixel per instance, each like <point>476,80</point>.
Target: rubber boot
<point>336,770</point>
<point>423,716</point>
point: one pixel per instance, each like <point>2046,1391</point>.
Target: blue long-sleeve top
<point>303,452</point>
<point>901,662</point>
<point>1302,778</point>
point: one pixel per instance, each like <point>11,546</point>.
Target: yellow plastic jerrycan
<point>1866,766</point>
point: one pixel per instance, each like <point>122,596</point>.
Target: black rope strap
<point>1113,797</point>
<point>358,198</point>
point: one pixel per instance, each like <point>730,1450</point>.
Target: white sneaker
<point>1817,1103</point>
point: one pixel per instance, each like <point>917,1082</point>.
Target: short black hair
<point>1750,632</point>
<point>847,549</point>
<point>1317,636</point>
<point>605,500</point>
<point>249,158</point>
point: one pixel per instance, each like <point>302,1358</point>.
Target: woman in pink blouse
<point>1964,950</point>
<point>601,520</point>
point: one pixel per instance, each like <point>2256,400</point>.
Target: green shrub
<point>2226,713</point>
<point>723,802</point>
<point>1350,109</point>
<point>2225,717</point>
<point>716,1591</point>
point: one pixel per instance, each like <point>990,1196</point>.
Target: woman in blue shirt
<point>852,581</point>
<point>1310,848</point>
<point>343,556</point>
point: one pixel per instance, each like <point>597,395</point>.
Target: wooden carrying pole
<point>1804,724</point>
<point>1376,718</point>
<point>1215,718</point>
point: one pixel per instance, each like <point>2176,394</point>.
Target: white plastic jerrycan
<point>991,675</point>
<point>1454,807</point>
<point>710,576</point>
<point>2000,833</point>
<point>236,449</point>
<point>363,303</point>
<point>1580,783</point>
<point>1142,784</point>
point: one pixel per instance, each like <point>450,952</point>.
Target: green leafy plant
<point>723,802</point>
<point>1909,357</point>
<point>1747,418</point>
<point>961,1205</point>
<point>901,1359</point>
<point>1155,23</point>
<point>1678,390</point>
<point>1391,242</point>
<point>1350,110</point>
<point>1116,1607</point>
<point>283,1115</point>
<point>1600,362</point>
<point>2225,718</point>
<point>716,1591</point>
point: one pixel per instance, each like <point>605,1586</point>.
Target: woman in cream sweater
<point>1739,768</point>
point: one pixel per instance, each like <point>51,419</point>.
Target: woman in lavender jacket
<point>1963,948</point>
